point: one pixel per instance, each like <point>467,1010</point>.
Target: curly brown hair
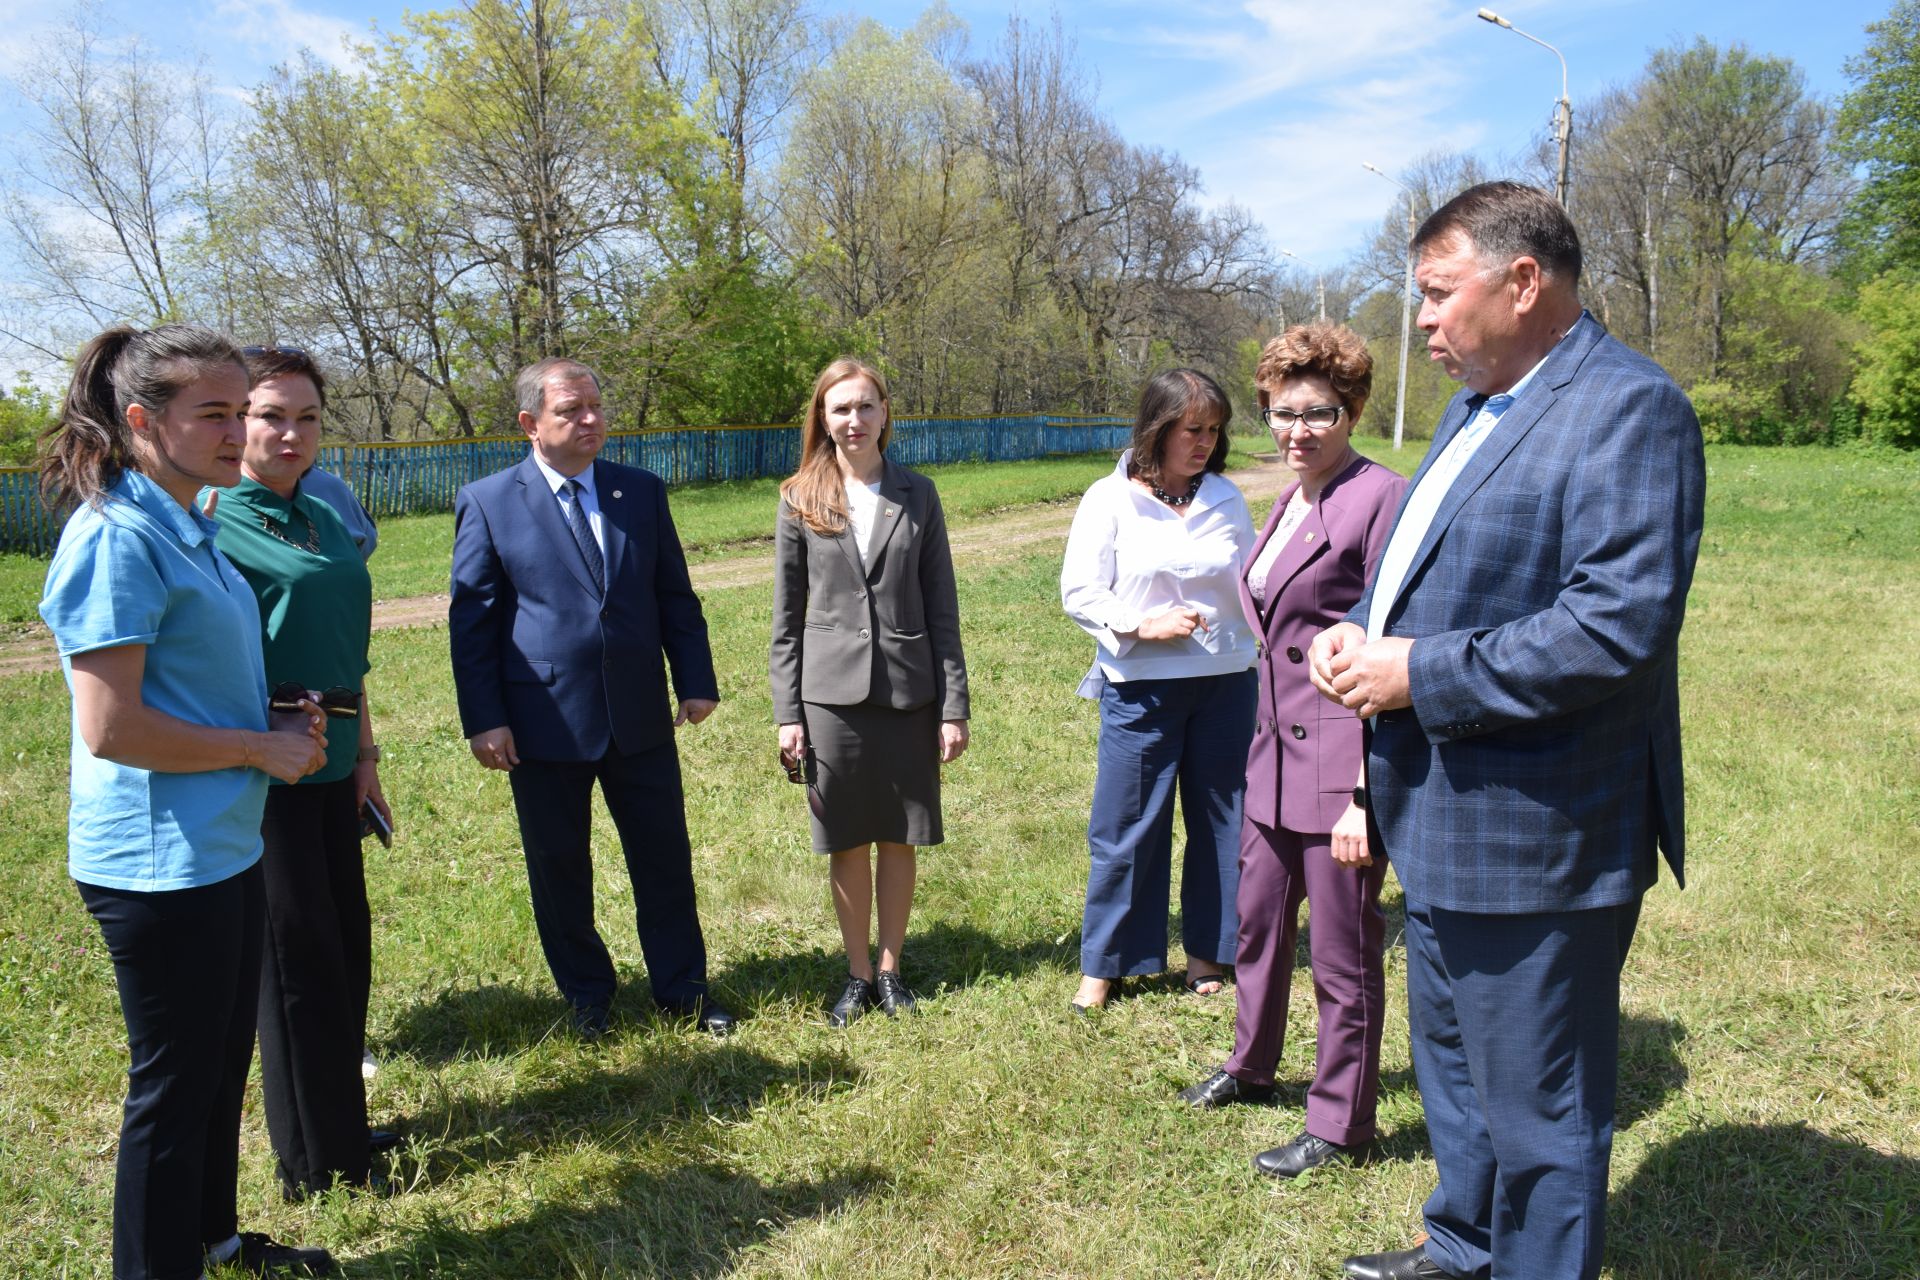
<point>1331,351</point>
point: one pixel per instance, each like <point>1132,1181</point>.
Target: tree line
<point>707,199</point>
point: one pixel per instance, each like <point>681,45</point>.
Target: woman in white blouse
<point>1152,573</point>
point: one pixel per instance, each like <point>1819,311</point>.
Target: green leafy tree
<point>25,411</point>
<point>1886,385</point>
<point>1879,127</point>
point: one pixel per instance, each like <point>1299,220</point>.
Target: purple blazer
<point>1305,756</point>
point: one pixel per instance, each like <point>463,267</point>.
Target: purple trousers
<point>1279,869</point>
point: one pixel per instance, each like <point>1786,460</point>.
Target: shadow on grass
<point>615,1095</point>
<point>487,1021</point>
<point>1650,1069</point>
<point>690,1222</point>
<point>1739,1201</point>
<point>942,956</point>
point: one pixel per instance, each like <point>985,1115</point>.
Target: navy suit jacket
<point>1539,765</point>
<point>537,648</point>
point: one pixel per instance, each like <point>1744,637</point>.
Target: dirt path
<point>977,541</point>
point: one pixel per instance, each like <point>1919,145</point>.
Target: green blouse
<point>316,600</point>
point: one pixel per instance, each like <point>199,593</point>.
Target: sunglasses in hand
<point>339,702</point>
<point>800,768</point>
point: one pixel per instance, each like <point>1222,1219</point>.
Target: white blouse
<point>1290,519</point>
<point>862,501</point>
<point>1130,557</point>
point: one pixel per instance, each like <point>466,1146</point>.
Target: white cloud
<point>1277,103</point>
<point>276,31</point>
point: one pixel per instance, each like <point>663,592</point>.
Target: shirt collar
<point>1206,496</point>
<point>251,493</point>
<point>555,480</point>
<point>187,523</point>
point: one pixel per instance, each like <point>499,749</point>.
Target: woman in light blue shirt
<point>159,639</point>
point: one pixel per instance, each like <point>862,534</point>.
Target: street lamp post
<point>1562,110</point>
<point>1406,312</point>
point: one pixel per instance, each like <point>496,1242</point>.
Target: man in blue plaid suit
<point>1516,655</point>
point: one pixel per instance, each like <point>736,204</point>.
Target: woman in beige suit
<point>869,683</point>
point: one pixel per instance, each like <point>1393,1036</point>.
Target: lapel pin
<point>616,493</point>
<point>889,510</point>
<point>1309,532</point>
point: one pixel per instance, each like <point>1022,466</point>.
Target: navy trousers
<point>554,802</point>
<point>187,965</point>
<point>1156,735</point>
<point>1516,1037</point>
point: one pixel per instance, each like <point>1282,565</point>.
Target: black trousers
<point>554,802</point>
<point>313,985</point>
<point>187,965</point>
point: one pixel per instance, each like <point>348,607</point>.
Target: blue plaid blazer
<point>1539,766</point>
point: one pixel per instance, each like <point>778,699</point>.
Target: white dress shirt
<point>1425,502</point>
<point>589,498</point>
<point>1131,557</point>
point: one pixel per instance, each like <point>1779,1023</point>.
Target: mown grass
<point>1770,1118</point>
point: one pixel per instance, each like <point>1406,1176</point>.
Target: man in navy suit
<point>1516,654</point>
<point>571,601</point>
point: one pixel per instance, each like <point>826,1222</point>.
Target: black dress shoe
<point>895,997</point>
<point>383,1140</point>
<point>1218,1089</point>
<point>589,1021</point>
<point>716,1019</point>
<point>711,1016</point>
<point>262,1255</point>
<point>1402,1264</point>
<point>1303,1153</point>
<point>855,1000</point>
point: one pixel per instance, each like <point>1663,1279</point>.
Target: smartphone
<point>374,823</point>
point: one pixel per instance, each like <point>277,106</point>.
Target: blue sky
<point>1276,102</point>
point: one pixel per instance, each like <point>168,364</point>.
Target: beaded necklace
<point>311,546</point>
<point>1193,491</point>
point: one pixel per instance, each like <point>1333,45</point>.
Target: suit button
<point>1293,653</point>
<point>1299,731</point>
<point>603,615</point>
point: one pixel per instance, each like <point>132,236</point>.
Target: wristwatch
<point>1360,798</point>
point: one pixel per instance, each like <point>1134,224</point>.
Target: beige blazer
<point>887,632</point>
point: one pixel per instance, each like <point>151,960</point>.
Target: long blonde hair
<point>815,491</point>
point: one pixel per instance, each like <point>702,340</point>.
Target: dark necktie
<point>583,533</point>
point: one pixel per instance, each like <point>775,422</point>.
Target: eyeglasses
<point>1320,417</point>
<point>339,702</point>
<point>275,350</point>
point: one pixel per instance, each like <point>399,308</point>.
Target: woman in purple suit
<point>1305,830</point>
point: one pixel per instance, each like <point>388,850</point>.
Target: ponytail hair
<point>89,446</point>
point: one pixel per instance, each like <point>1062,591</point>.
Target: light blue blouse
<point>141,569</point>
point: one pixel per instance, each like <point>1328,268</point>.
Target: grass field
<point>1770,1110</point>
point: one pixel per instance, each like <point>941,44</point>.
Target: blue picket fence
<point>404,479</point>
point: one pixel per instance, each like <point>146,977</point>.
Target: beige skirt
<point>877,775</point>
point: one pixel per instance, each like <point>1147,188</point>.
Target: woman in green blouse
<point>316,605</point>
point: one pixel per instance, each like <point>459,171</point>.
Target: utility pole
<point>1406,311</point>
